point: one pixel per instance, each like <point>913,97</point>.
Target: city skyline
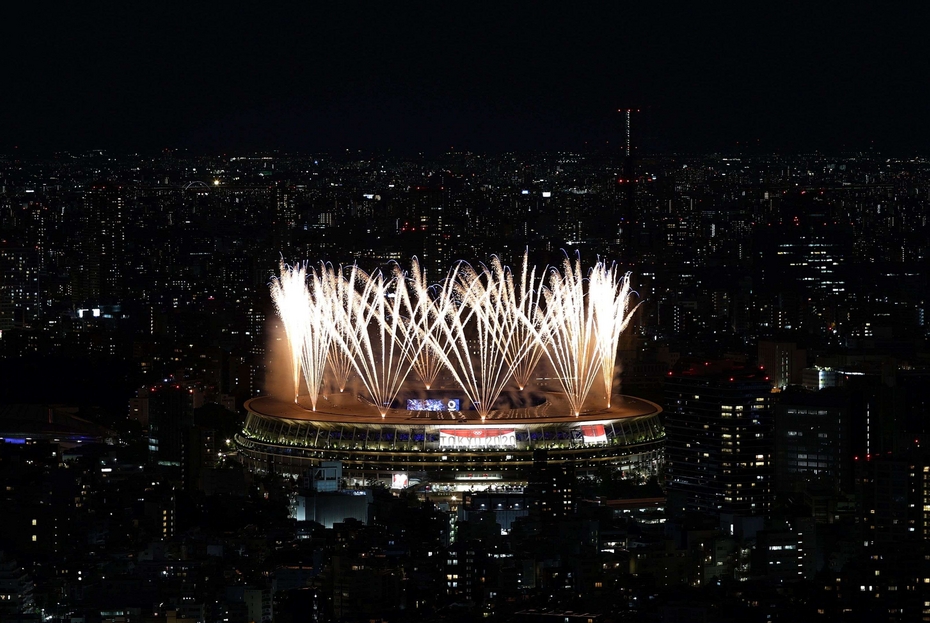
<point>771,402</point>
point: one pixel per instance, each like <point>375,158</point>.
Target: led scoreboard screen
<point>434,404</point>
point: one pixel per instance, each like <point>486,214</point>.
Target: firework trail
<point>610,294</point>
<point>569,333</point>
<point>292,302</point>
<point>426,359</point>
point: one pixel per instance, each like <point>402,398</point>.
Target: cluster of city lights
<point>481,325</point>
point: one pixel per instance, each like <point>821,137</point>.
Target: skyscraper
<point>783,362</point>
<point>812,442</point>
<point>20,295</point>
<point>171,416</point>
<point>719,453</point>
<point>101,267</point>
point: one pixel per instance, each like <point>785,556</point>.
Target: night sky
<point>480,76</point>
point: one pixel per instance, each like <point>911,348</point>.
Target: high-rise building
<point>467,570</point>
<point>550,489</point>
<point>199,453</point>
<point>20,295</point>
<point>258,604</point>
<point>784,362</point>
<point>437,252</point>
<point>15,588</point>
<point>893,492</point>
<point>813,448</point>
<point>101,269</point>
<point>894,496</point>
<point>171,417</point>
<point>719,452</point>
<point>285,218</point>
<point>918,493</point>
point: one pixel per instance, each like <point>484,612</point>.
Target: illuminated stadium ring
<point>445,446</point>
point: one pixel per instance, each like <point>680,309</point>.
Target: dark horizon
<point>471,77</point>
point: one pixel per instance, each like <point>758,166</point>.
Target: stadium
<point>453,388</point>
<point>449,446</point>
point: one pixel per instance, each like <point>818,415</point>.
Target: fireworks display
<point>479,325</point>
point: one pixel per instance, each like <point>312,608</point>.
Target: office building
<point>720,450</point>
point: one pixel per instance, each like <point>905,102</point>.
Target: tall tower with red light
<point>626,187</point>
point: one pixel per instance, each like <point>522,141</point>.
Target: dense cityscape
<point>781,330</point>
